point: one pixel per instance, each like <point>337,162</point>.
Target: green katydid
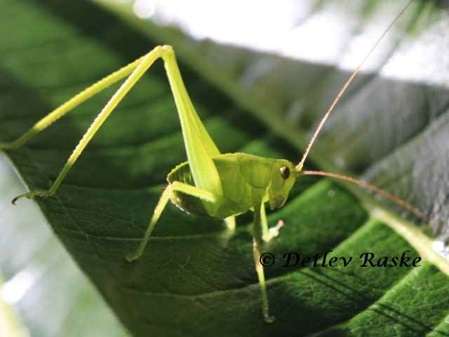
<point>208,183</point>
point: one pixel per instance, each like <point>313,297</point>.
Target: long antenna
<point>398,201</point>
<point>343,90</point>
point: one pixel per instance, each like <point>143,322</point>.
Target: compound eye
<point>285,172</point>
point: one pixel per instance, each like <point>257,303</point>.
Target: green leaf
<point>45,293</point>
<point>195,278</point>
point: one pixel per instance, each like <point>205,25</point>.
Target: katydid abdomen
<point>249,180</point>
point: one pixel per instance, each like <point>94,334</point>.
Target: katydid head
<point>282,180</point>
